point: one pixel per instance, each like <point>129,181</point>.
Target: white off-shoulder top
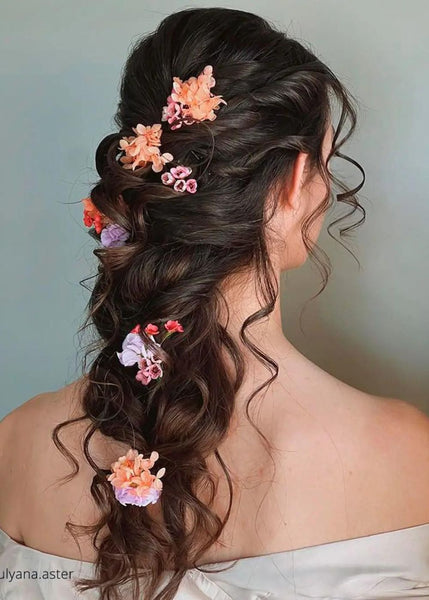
<point>392,564</point>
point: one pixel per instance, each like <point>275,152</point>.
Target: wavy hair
<point>181,249</point>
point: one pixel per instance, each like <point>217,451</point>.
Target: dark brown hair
<point>180,250</point>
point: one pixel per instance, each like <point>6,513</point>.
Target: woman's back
<point>347,464</point>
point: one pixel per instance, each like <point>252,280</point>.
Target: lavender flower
<point>126,496</point>
<point>132,348</point>
<point>113,236</point>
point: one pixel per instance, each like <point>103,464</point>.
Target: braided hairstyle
<point>181,248</point>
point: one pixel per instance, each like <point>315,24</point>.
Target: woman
<point>217,180</point>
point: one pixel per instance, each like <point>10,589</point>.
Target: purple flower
<point>167,179</point>
<point>113,236</point>
<point>180,172</point>
<point>132,348</point>
<point>135,351</point>
<point>180,185</point>
<point>191,186</point>
<point>125,496</point>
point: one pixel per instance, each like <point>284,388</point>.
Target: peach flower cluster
<point>143,148</point>
<point>132,480</point>
<point>191,100</point>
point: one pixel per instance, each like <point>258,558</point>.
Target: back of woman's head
<point>181,249</point>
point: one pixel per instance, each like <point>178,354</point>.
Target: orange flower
<point>143,148</point>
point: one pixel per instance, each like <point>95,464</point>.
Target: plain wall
<point>60,65</point>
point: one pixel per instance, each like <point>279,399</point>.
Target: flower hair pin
<point>134,351</point>
<point>176,177</point>
<point>143,148</point>
<point>111,234</point>
<point>132,480</point>
<point>189,102</point>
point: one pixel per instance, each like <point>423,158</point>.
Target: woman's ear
<point>291,196</point>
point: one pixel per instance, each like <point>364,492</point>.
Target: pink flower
<point>180,185</point>
<point>171,113</point>
<point>155,371</point>
<point>148,371</point>
<point>143,376</point>
<point>180,172</point>
<point>167,179</point>
<point>173,326</point>
<point>142,149</point>
<point>191,186</point>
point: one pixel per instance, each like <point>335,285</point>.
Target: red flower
<point>92,216</point>
<point>136,329</point>
<point>173,326</point>
<point>151,329</point>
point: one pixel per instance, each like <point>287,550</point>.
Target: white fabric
<point>394,564</point>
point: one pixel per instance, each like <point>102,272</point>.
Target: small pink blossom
<point>180,185</point>
<point>155,371</point>
<point>171,113</point>
<point>167,178</point>
<point>191,186</point>
<point>148,371</point>
<point>143,377</point>
<point>180,172</point>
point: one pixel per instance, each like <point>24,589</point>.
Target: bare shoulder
<point>394,479</point>
<point>35,506</point>
<point>408,429</point>
<point>408,425</point>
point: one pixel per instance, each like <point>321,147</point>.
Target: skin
<point>347,463</point>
